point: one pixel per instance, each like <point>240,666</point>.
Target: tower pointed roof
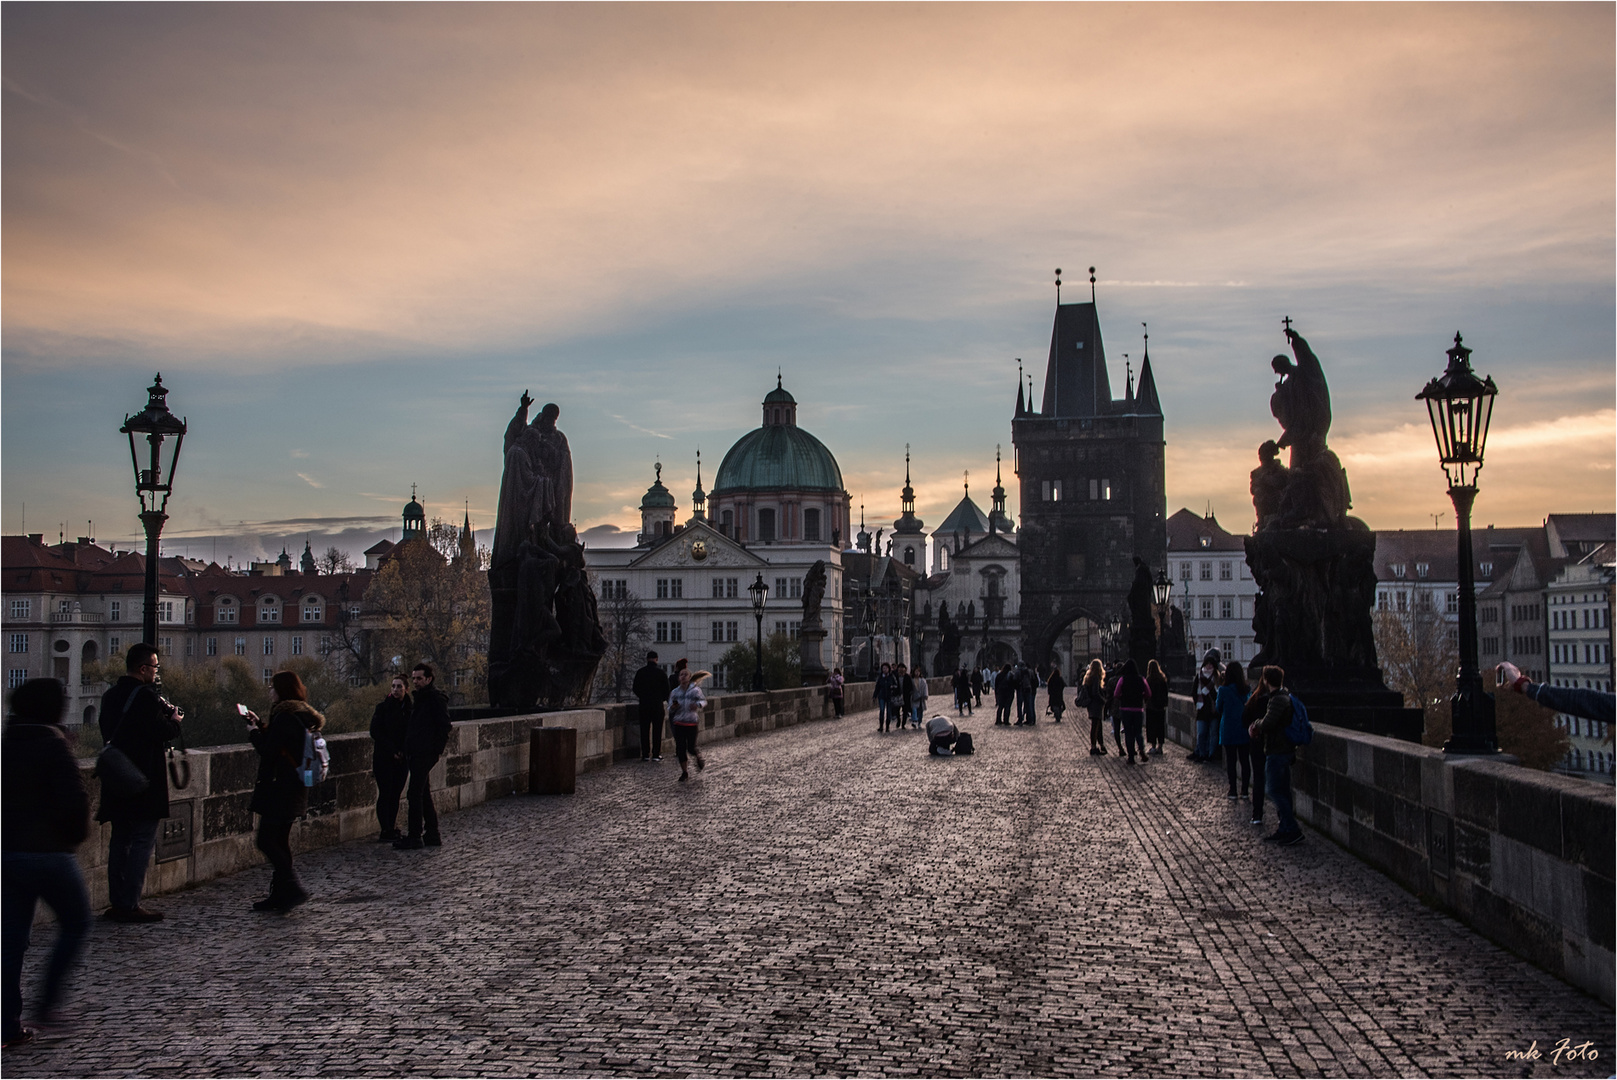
<point>998,519</point>
<point>907,522</point>
<point>1021,407</point>
<point>307,564</point>
<point>468,539</point>
<point>1075,381</point>
<point>1146,401</point>
<point>698,497</point>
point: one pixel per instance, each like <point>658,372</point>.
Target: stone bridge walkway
<point>828,900</point>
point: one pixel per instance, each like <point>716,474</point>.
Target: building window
<point>1228,650</point>
<point>1207,571</point>
<point>1403,601</point>
<point>730,628</point>
<point>297,645</point>
<point>718,631</point>
<point>1421,569</point>
<point>1424,601</point>
<point>796,585</point>
<point>241,646</point>
<point>1224,571</point>
<point>269,673</point>
<point>269,613</point>
<point>909,556</point>
<point>662,588</point>
<point>166,644</point>
<point>727,522</point>
<point>311,611</point>
<point>676,588</point>
<point>718,588</point>
<point>1381,601</point>
<point>1052,490</point>
<point>1226,609</point>
<point>190,646</point>
<point>1184,571</point>
<point>115,646</point>
<point>225,612</point>
<point>15,677</point>
<point>614,589</point>
<point>811,524</point>
<point>325,644</point>
<point>269,646</point>
<point>676,631</point>
<point>1451,603</point>
<point>165,611</point>
<point>64,607</point>
<point>766,525</point>
<point>1486,569</point>
<point>1207,608</point>
<point>23,609</point>
<point>790,629</point>
<point>115,611</point>
<point>213,646</point>
<point>1397,569</point>
<point>662,631</point>
<point>18,643</point>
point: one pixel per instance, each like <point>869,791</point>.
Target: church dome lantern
<point>778,482</point>
<point>656,510</point>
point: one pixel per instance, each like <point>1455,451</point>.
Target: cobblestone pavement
<point>828,900</point>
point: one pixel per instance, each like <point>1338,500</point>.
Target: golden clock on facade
<point>699,550</point>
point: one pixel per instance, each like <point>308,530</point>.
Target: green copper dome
<point>778,457</point>
<point>657,496</point>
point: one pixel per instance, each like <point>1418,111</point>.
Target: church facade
<point>1093,488</point>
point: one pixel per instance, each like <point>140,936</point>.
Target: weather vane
<point>1058,286</point>
<point>1091,284</point>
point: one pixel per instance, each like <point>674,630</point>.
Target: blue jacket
<point>1228,702</point>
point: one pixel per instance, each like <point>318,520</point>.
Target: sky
<point>350,237</point>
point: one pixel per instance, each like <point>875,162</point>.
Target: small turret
<point>656,511</point>
<point>698,497</point>
<point>415,519</point>
<point>307,564</point>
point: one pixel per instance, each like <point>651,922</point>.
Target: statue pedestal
<point>1312,618</point>
<point>811,664</point>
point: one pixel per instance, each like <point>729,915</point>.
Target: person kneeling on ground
<point>941,735</point>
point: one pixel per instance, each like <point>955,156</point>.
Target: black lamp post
<point>1114,636</point>
<point>1460,406</point>
<point>760,594</point>
<point>153,483</point>
<point>1161,589</point>
<point>871,620</point>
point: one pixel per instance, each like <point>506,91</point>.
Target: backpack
<point>1299,731</point>
<point>316,764</point>
<point>962,744</point>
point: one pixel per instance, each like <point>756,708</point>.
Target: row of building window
<point>1424,601</point>
<point>724,588</point>
<point>1592,653</point>
<point>1203,571</point>
<point>1527,643</point>
<point>1595,619</point>
<point>1589,761</point>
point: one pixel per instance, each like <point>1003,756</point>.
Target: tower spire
<point>1058,286</point>
<point>1091,284</point>
<point>698,497</point>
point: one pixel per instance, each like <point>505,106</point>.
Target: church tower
<point>656,512</point>
<point>468,540</point>
<point>1093,484</point>
<point>909,536</point>
<point>308,563</point>
<point>415,519</point>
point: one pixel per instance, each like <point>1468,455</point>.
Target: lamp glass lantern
<point>155,462</point>
<point>1161,589</point>
<point>1460,407</point>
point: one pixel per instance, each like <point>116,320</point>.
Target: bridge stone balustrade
<point>211,833</point>
<point>1522,856</point>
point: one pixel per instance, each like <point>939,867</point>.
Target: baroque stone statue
<point>545,639</point>
<point>811,633</point>
<point>1313,564</point>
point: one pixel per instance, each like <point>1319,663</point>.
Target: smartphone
<point>240,708</point>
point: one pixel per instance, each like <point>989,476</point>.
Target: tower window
<point>766,525</point>
<point>909,556</point>
<point>811,524</point>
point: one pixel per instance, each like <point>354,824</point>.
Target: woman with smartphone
<point>279,796</point>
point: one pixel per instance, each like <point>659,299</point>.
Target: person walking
<point>136,719</point>
<point>1279,753</point>
<point>884,697</point>
<point>1131,694</point>
<point>1057,689</point>
<point>685,706</point>
<point>1004,695</point>
<point>922,691</point>
<point>836,682</point>
<point>280,796</point>
<point>389,723</point>
<point>46,816</point>
<point>1252,711</point>
<point>1092,696</point>
<point>962,692</point>
<point>1156,710</point>
<point>977,676</point>
<point>1232,735</point>
<point>1206,714</point>
<point>903,695</point>
<point>424,744</point>
<point>651,689</point>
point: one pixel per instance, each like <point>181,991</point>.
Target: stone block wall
<point>212,830</point>
<point>1523,857</point>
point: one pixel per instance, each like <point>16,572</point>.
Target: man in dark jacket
<point>1027,685</point>
<point>977,685</point>
<point>651,690</point>
<point>45,817</point>
<point>138,722</point>
<point>1278,753</point>
<point>390,724</point>
<point>424,743</point>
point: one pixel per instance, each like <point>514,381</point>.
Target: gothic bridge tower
<point>1093,489</point>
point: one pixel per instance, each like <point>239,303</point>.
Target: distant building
<point>1213,586</point>
<point>1578,604</point>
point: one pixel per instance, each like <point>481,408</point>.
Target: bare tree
<point>628,631</point>
<point>334,561</point>
<point>1419,660</point>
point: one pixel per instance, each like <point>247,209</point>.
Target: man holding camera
<point>136,719</point>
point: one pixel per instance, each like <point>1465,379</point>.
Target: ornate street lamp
<point>1161,590</point>
<point>760,595</point>
<point>1460,406</point>
<point>872,618</point>
<point>1114,634</point>
<point>153,483</point>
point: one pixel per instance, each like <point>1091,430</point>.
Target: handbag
<point>120,776</point>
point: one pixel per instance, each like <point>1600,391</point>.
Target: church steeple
<point>1146,401</point>
<point>998,520</point>
<point>1021,406</point>
<point>863,539</point>
<point>468,539</point>
<point>307,563</point>
<point>415,519</point>
<point>909,535</point>
<point>698,497</point>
